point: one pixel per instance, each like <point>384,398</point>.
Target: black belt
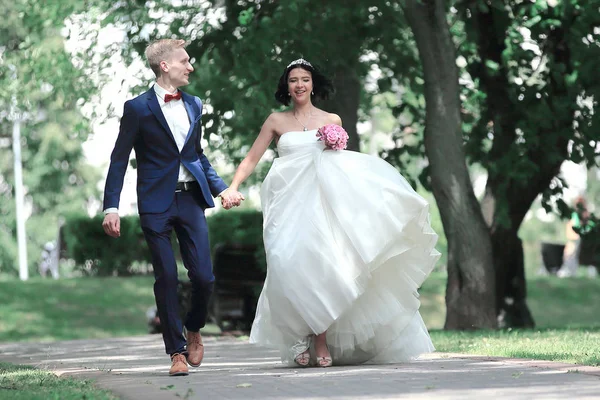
<point>186,186</point>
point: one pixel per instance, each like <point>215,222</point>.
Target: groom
<point>175,184</point>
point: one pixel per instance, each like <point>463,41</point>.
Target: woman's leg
<point>570,260</point>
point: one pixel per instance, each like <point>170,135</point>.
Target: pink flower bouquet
<point>334,136</point>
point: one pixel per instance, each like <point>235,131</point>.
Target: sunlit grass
<point>27,383</point>
<point>565,311</point>
<point>554,302</point>
<point>40,310</point>
<point>564,303</point>
<point>578,346</point>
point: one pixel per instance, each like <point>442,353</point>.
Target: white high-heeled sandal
<point>303,359</point>
<point>325,362</point>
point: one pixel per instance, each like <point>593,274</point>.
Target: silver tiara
<point>300,61</point>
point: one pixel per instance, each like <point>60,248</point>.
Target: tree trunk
<point>504,224</point>
<point>511,292</point>
<point>508,198</point>
<point>470,299</point>
<point>346,102</point>
<point>509,263</point>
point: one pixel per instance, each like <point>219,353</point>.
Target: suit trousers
<point>186,216</point>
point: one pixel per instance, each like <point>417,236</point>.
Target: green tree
<point>39,80</point>
<point>469,296</point>
<point>527,105</point>
<point>240,57</point>
<point>239,60</point>
<point>534,63</point>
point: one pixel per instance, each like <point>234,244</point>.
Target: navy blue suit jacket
<point>145,129</point>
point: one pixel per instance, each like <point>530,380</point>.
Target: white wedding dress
<point>348,243</point>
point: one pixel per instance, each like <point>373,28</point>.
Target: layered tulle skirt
<point>348,243</point>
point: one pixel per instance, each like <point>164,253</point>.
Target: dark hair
<point>322,86</point>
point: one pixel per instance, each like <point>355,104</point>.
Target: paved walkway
<point>136,368</point>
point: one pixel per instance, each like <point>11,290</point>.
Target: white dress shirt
<point>179,124</point>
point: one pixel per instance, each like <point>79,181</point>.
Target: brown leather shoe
<point>195,349</point>
<point>179,367</point>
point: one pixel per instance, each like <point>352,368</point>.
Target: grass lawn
<point>554,302</point>
<point>565,311</point>
<point>27,383</point>
<point>45,309</point>
<point>578,346</point>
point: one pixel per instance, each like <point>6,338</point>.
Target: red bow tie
<point>169,97</point>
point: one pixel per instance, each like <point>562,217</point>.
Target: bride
<point>348,241</point>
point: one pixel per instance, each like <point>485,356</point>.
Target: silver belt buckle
<point>186,186</point>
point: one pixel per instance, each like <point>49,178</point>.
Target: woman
<point>347,240</point>
<point>580,223</point>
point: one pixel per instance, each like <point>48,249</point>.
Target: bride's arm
<point>261,144</point>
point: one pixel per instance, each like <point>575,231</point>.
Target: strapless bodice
<point>298,141</point>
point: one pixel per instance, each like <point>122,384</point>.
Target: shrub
<point>96,253</point>
<point>242,227</point>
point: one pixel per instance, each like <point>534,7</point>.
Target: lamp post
<point>21,237</point>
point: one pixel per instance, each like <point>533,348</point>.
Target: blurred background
<point>526,95</point>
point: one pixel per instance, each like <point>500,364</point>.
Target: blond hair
<point>159,50</point>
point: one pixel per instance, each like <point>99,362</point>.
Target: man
<point>175,184</point>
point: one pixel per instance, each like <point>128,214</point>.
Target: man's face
<point>177,67</point>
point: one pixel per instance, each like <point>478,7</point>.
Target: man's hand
<point>112,225</point>
<point>231,198</point>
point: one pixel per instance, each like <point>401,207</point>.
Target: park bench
<point>590,251</point>
<point>552,253</point>
<point>238,281</point>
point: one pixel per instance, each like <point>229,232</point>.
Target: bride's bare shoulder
<point>334,119</point>
<point>275,120</point>
<point>278,116</point>
<point>328,118</point>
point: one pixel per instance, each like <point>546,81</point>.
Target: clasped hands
<point>231,198</point>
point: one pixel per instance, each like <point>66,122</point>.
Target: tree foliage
<point>242,47</point>
<point>528,98</point>
<point>40,85</point>
<point>534,92</point>
<point>527,87</point>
